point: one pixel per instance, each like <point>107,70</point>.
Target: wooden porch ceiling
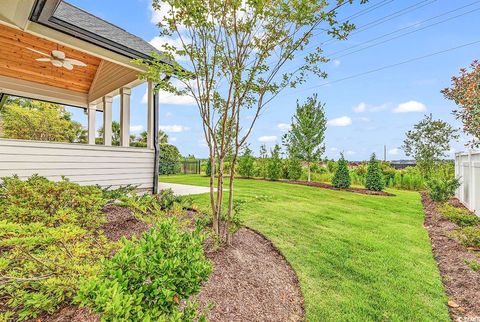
<point>20,50</point>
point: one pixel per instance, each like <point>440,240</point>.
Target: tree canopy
<point>305,138</point>
<point>27,119</point>
<point>428,142</point>
<point>465,92</point>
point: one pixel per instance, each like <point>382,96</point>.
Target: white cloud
<point>267,138</point>
<point>284,127</point>
<point>340,121</point>
<point>136,128</point>
<point>336,62</point>
<point>172,139</point>
<point>364,107</point>
<point>333,149</point>
<point>169,98</point>
<point>159,41</point>
<point>364,119</point>
<point>168,114</point>
<point>174,128</point>
<point>350,152</point>
<point>394,151</point>
<point>410,106</point>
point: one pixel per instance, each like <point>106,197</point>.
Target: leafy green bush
<point>246,164</point>
<point>341,179</point>
<point>294,169</point>
<point>148,279</point>
<point>274,165</point>
<point>49,238</point>
<point>168,160</point>
<point>208,169</point>
<point>459,216</point>
<point>442,189</point>
<point>473,264</point>
<point>468,236</point>
<point>374,177</point>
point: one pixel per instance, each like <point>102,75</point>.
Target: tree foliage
<point>465,92</point>
<point>294,169</point>
<point>236,55</point>
<point>274,165</point>
<point>305,139</point>
<point>341,178</point>
<point>246,163</point>
<point>374,178</point>
<point>169,158</point>
<point>27,119</point>
<point>428,142</point>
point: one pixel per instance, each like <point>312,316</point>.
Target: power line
<point>389,66</point>
<point>406,33</point>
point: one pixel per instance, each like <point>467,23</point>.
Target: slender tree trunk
<point>219,194</point>
<point>215,218</point>
<point>230,201</point>
<point>309,174</point>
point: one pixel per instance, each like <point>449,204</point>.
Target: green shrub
<point>208,169</point>
<point>442,189</point>
<point>468,236</point>
<point>341,179</point>
<point>49,239</point>
<point>246,164</point>
<point>459,216</point>
<point>148,279</point>
<point>473,264</point>
<point>274,165</point>
<point>294,169</point>
<point>169,158</point>
<point>331,166</point>
<point>374,177</point>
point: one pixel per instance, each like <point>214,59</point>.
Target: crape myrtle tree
<point>428,143</point>
<point>465,92</point>
<point>234,57</point>
<point>305,138</point>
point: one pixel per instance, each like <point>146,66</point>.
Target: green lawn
<point>358,257</point>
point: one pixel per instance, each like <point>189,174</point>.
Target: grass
<point>358,257</point>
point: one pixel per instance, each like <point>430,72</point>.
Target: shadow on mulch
<point>251,280</point>
<point>461,282</point>
<point>351,189</point>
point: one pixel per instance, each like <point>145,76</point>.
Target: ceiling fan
<point>58,59</point>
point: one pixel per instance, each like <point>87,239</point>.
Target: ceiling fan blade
<point>67,65</point>
<point>75,62</point>
<point>58,54</point>
<point>57,63</point>
<point>38,52</point>
<point>43,59</point>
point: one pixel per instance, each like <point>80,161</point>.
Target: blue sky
<point>365,113</point>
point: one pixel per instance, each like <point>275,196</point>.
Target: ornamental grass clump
<point>49,239</point>
<point>374,177</point>
<point>149,279</point>
<point>341,179</point>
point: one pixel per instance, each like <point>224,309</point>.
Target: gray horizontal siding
<point>84,164</point>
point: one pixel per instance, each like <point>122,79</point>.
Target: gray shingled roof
<point>101,28</point>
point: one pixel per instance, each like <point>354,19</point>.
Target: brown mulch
<point>251,281</point>
<point>121,222</point>
<point>351,189</point>
<point>461,282</point>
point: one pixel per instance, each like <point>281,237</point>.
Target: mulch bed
<point>461,282</point>
<point>251,280</point>
<point>351,189</point>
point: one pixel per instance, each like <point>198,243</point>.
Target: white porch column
<point>125,116</point>
<point>91,123</point>
<point>107,120</point>
<point>150,115</point>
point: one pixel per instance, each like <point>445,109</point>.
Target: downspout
<point>156,143</point>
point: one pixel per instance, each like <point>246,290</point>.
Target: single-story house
<point>53,51</point>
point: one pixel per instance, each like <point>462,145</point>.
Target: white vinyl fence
<point>467,169</point>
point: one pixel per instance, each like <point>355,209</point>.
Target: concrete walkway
<point>183,189</point>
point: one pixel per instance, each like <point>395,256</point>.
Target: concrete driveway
<point>183,189</point>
